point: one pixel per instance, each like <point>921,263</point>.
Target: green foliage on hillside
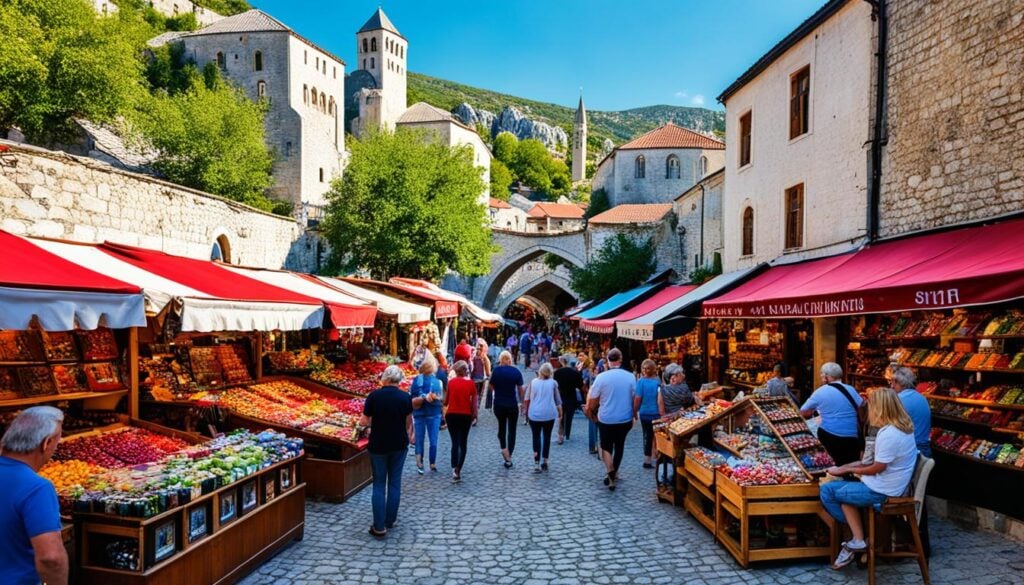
<point>530,162</point>
<point>617,126</point>
<point>620,264</point>
<point>408,207</point>
<point>501,179</point>
<point>224,7</point>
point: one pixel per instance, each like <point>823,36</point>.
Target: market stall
<point>942,303</point>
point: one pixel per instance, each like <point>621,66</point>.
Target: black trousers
<point>568,410</point>
<point>458,429</point>
<point>541,430</point>
<point>508,420</point>
<point>842,449</point>
<point>647,426</point>
<point>613,440</point>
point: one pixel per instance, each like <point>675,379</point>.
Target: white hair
<point>545,371</point>
<point>392,375</point>
<point>30,428</point>
<point>904,377</point>
<point>832,370</point>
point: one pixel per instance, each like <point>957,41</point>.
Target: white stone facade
<point>382,52</point>
<point>175,7</point>
<point>510,219</point>
<point>830,160</point>
<point>617,174</point>
<point>56,195</point>
<point>700,233</point>
<point>452,134</point>
<point>307,138</point>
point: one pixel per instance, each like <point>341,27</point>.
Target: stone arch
<point>503,303</point>
<point>505,267</point>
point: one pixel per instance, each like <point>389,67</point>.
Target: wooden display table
<point>334,470</point>
<point>215,538</point>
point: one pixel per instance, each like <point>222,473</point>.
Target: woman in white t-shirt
<point>889,475</point>
<point>543,407</point>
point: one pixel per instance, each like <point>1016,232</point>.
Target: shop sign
<point>446,309</point>
<point>640,332</point>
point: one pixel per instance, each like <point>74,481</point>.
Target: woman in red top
<point>461,411</point>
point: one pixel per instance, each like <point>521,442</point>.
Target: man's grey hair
<point>563,359</point>
<point>672,370</point>
<point>904,377</point>
<point>615,355</point>
<point>392,375</point>
<point>832,370</point>
<point>30,428</point>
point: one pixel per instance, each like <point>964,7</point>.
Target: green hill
<point>618,126</point>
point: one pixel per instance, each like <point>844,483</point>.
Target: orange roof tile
<point>672,136</point>
<point>633,213</point>
<point>556,210</point>
<point>498,204</point>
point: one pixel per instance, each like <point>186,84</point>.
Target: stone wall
<point>56,195</point>
<point>955,113</point>
<point>662,234</point>
<point>688,209</point>
<point>623,186</point>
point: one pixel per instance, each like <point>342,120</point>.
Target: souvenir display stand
<point>970,366</point>
<point>753,481</point>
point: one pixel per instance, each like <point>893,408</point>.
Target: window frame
<point>640,167</point>
<point>800,102</point>
<point>747,231</point>
<point>669,168</point>
<point>746,139</point>
<point>257,61</point>
<point>794,217</point>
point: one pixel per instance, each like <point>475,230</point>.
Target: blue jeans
<point>592,434</point>
<point>431,426</point>
<point>387,477</point>
<point>855,493</point>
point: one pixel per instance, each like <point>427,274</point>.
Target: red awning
<point>443,307</point>
<point>61,294</point>
<point>660,299</point>
<point>963,267</point>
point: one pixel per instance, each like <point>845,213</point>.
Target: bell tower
<point>381,52</point>
<point>579,144</point>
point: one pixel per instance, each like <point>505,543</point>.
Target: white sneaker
<point>536,467</point>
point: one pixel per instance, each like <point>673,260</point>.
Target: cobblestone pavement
<point>563,527</point>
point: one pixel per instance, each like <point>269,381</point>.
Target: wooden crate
<point>697,496</point>
<point>699,473</point>
<point>663,443</point>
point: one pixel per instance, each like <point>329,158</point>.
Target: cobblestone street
<point>564,527</point>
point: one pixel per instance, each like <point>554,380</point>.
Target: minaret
<point>579,144</point>
<point>380,50</point>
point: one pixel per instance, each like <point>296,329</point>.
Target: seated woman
<point>889,475</point>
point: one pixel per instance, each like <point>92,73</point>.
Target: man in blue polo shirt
<point>31,548</point>
<point>837,404</point>
<point>904,382</point>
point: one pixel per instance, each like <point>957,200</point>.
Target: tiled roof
<point>424,112</point>
<point>672,136</point>
<point>633,213</point>
<point>163,39</point>
<point>108,146</point>
<point>557,211</point>
<point>498,204</point>
<point>253,21</point>
<point>581,113</point>
<point>379,21</point>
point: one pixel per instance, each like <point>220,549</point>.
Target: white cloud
<point>681,94</point>
<point>697,100</point>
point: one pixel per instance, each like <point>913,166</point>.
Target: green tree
<point>506,148</point>
<point>60,61</point>
<point>408,207</point>
<point>532,165</point>
<point>620,264</point>
<point>209,136</point>
<point>501,178</point>
<point>598,203</point>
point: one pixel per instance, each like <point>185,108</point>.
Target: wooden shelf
<point>966,371</point>
<point>61,397</point>
<point>988,427</point>
<point>868,376</point>
<point>977,460</point>
<point>971,402</point>
<point>728,448</point>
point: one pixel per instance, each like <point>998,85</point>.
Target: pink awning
<point>660,299</point>
<point>962,267</point>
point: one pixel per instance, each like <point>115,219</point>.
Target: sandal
<point>375,534</point>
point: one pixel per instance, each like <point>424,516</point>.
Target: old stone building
<point>657,166</point>
<point>204,16</point>
<point>303,85</point>
<point>699,214</point>
<point>797,131</point>
<point>579,144</point>
<point>56,195</point>
<point>549,218</point>
<point>955,114</point>
<point>505,217</point>
<point>640,222</point>
<point>378,86</point>
<point>442,126</point>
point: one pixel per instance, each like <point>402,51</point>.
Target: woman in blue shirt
<point>506,384</point>
<point>645,404</point>
<point>427,394</point>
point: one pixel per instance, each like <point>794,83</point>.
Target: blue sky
<point>624,53</point>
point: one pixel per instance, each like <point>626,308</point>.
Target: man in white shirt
<point>610,404</point>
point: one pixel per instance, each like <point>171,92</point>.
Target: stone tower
<point>381,51</point>
<point>579,144</point>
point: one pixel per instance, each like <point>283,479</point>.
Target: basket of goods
<point>59,346</point>
<point>69,378</point>
<point>20,346</point>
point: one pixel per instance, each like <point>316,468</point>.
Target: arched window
<point>672,167</point>
<point>640,170</point>
<point>748,232</point>
<point>321,174</point>
<point>221,61</point>
<point>373,63</point>
<point>401,52</point>
<point>702,167</point>
<point>330,105</point>
<point>364,45</point>
<point>373,44</point>
<point>305,94</point>
<point>221,250</point>
<point>323,102</point>
<point>314,96</point>
<point>261,89</point>
<point>257,61</point>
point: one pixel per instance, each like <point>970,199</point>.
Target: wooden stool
<point>880,541</point>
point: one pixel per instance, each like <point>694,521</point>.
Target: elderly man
<point>837,403</point>
<point>31,549</point>
<point>610,402</point>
